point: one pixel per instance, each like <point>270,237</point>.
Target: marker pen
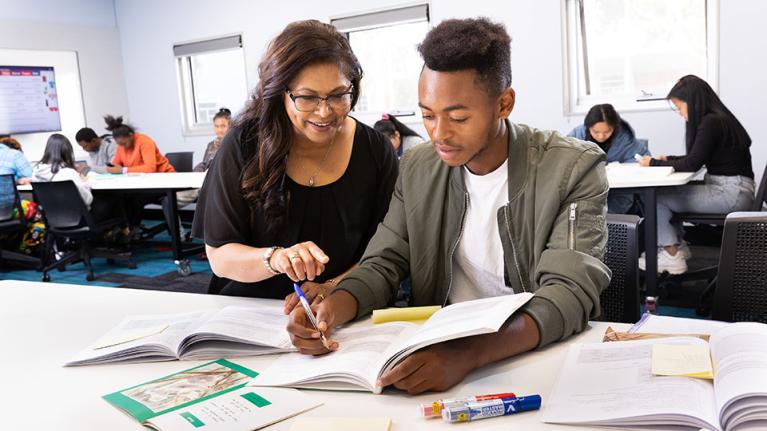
<point>434,409</point>
<point>490,408</point>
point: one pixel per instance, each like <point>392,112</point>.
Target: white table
<point>167,183</point>
<point>631,179</point>
<point>42,325</point>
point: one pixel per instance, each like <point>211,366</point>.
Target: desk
<point>42,325</point>
<point>168,183</point>
<point>628,178</point>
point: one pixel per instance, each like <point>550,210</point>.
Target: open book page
<point>611,384</point>
<point>739,352</point>
<point>355,365</point>
<point>463,319</point>
<point>652,323</point>
<point>235,330</point>
<point>159,346</point>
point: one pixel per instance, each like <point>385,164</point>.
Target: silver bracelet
<point>268,255</point>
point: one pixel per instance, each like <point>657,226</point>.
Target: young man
<point>489,208</point>
<point>101,151</point>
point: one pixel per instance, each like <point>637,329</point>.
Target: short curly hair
<point>474,43</point>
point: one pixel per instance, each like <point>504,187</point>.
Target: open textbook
<point>209,397</point>
<point>611,384</point>
<point>365,352</point>
<point>229,332</point>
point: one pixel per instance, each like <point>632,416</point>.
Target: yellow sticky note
<point>341,424</point>
<point>408,313</point>
<point>129,336</point>
<point>682,360</point>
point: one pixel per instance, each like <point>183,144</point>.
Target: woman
<point>298,187</point>
<point>12,161</point>
<point>716,139</point>
<point>136,152</point>
<point>402,137</point>
<point>604,127</point>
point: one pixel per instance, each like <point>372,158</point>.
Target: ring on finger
<point>321,296</point>
<point>293,256</point>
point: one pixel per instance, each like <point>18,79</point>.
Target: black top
<point>711,148</point>
<point>340,217</point>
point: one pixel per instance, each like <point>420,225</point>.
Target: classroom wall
<point>536,60</point>
<point>85,26</point>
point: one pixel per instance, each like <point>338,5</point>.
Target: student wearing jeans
<point>489,208</point>
<point>716,139</point>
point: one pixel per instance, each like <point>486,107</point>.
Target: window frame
<point>573,105</point>
<point>183,53</point>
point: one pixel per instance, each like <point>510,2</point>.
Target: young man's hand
<point>434,368</point>
<point>338,308</point>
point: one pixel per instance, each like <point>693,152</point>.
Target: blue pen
<point>490,408</point>
<point>305,303</point>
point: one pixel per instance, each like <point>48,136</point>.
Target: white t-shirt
<point>478,270</point>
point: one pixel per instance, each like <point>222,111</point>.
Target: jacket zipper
<point>455,246</point>
<point>571,226</point>
<point>513,247</point>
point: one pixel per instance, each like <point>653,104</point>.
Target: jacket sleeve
<point>570,273</point>
<point>386,260</point>
<point>148,151</point>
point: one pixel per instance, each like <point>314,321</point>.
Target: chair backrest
<point>741,287</point>
<point>620,300</point>
<point>181,161</point>
<point>761,193</point>
<point>9,198</point>
<point>645,142</point>
<point>62,204</point>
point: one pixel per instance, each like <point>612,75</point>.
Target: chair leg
<point>706,300</point>
<point>85,254</point>
<point>47,257</point>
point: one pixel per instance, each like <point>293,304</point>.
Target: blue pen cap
<point>298,290</point>
<point>529,402</point>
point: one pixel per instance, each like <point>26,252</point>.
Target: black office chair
<point>12,221</point>
<point>181,161</point>
<point>67,218</point>
<point>620,300</point>
<point>741,288</point>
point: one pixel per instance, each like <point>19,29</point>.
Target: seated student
<point>12,161</point>
<point>483,211</point>
<point>402,137</point>
<point>604,127</point>
<point>716,139</point>
<point>101,150</point>
<point>136,152</point>
<point>298,187</point>
<point>58,164</point>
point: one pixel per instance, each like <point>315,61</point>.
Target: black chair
<point>620,300</point>
<point>741,288</point>
<point>12,221</point>
<point>67,218</point>
<point>181,161</point>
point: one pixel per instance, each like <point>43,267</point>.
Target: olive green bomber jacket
<point>552,229</point>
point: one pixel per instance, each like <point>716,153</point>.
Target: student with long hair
<point>713,138</point>
<point>402,137</point>
<point>615,136</point>
<point>298,186</point>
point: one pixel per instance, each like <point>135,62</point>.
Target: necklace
<point>311,181</point>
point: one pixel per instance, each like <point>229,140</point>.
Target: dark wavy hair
<point>474,43</point>
<point>701,101</point>
<point>265,125</point>
<point>602,113</point>
<point>58,153</point>
<point>390,124</point>
<point>118,127</point>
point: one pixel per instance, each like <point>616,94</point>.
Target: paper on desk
<point>341,424</point>
<point>408,314</point>
<point>128,336</point>
<point>688,360</point>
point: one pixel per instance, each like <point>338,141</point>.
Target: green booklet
<point>209,397</point>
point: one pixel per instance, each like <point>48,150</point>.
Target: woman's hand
<point>303,261</point>
<point>314,292</point>
<point>645,161</point>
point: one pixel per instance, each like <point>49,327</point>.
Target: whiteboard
<point>69,90</point>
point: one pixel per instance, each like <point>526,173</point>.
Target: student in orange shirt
<point>136,152</point>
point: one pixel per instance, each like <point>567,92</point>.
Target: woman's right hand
<point>303,261</point>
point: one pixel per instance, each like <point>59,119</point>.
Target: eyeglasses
<point>340,102</point>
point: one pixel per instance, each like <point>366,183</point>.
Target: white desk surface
<point>42,325</point>
<point>625,175</point>
<point>173,180</point>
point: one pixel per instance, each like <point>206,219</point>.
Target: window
<point>631,52</point>
<point>385,44</point>
<point>211,75</point>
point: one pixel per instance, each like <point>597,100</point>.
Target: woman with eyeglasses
<point>298,186</point>
<point>716,139</point>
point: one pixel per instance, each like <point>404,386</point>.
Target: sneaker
<point>676,264</point>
